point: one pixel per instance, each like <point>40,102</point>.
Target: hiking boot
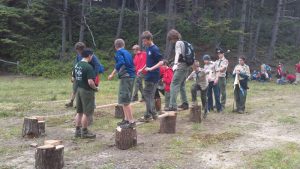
<point>122,122</point>
<point>155,117</point>
<point>144,119</point>
<point>170,109</point>
<point>205,114</point>
<point>87,134</point>
<point>184,106</point>
<point>70,104</point>
<point>78,133</point>
<point>128,125</point>
<point>241,112</point>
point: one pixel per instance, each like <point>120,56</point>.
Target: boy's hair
<point>147,35</point>
<point>86,53</point>
<point>119,43</point>
<point>80,46</point>
<point>136,47</point>
<point>243,58</point>
<point>173,35</point>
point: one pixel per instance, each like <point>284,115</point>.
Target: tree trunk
<point>119,113</point>
<point>82,24</point>
<point>147,15</point>
<point>141,23</point>
<point>257,31</point>
<point>297,44</point>
<point>49,157</point>
<point>42,127</point>
<point>242,28</point>
<point>64,30</point>
<point>30,127</point>
<point>274,31</point>
<point>168,124</point>
<point>195,9</point>
<point>170,25</point>
<point>250,25</point>
<point>195,114</point>
<point>70,32</point>
<point>126,138</point>
<point>121,19</point>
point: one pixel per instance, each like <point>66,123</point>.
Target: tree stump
<point>168,122</point>
<point>126,138</point>
<point>30,127</point>
<point>49,157</point>
<point>195,114</point>
<point>158,105</point>
<point>53,142</point>
<point>119,113</point>
<point>42,126</point>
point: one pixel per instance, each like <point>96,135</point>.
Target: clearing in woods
<point>268,136</point>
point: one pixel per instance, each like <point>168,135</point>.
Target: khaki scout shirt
<point>199,75</point>
<point>210,69</point>
<point>244,69</point>
<point>221,64</point>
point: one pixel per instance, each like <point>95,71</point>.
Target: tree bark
<point>242,28</point>
<point>30,127</point>
<point>147,15</point>
<point>257,31</point>
<point>49,157</point>
<point>170,25</point>
<point>274,31</point>
<point>42,127</point>
<point>70,32</point>
<point>126,138</point>
<point>141,23</point>
<point>195,114</point>
<point>82,24</point>
<point>121,19</point>
<point>64,30</point>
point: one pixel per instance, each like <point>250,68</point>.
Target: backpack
<point>189,54</point>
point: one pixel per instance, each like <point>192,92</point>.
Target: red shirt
<point>291,77</point>
<point>139,61</point>
<point>279,70</point>
<point>167,74</point>
<point>297,66</point>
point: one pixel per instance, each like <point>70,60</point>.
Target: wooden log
<point>195,114</point>
<point>30,127</point>
<point>53,142</point>
<point>168,122</point>
<point>49,157</point>
<point>39,118</point>
<point>126,138</point>
<point>119,113</point>
<point>42,127</point>
<point>158,105</point>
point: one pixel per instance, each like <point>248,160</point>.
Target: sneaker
<point>134,99</point>
<point>122,122</point>
<point>78,133</point>
<point>241,112</point>
<point>144,119</point>
<point>128,125</point>
<point>205,114</point>
<point>87,134</point>
<point>70,104</point>
<point>184,106</point>
<point>170,109</point>
<point>155,117</point>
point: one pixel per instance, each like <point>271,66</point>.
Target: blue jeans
<point>210,102</point>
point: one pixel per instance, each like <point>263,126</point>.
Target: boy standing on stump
<point>85,99</point>
<point>126,72</point>
<point>153,62</point>
<point>201,83</point>
<point>241,73</point>
<point>221,68</point>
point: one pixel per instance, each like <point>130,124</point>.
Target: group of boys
<point>151,67</point>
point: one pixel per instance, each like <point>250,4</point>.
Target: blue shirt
<point>153,57</point>
<point>124,58</point>
<point>94,63</point>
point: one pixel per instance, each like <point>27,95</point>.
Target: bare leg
<point>128,113</point>
<point>78,118</point>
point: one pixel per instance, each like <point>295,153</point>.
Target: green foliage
<point>287,52</point>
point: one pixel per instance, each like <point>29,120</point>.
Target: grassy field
<point>267,136</point>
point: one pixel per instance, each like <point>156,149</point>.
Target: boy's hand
<point>148,69</point>
<point>175,67</point>
<point>110,77</point>
<point>139,72</point>
<point>216,82</point>
<point>72,79</point>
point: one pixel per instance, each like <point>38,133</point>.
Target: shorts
<point>85,101</point>
<point>125,90</point>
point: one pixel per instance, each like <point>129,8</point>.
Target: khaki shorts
<point>125,90</point>
<point>85,101</point>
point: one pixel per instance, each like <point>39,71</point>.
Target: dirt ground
<point>226,140</point>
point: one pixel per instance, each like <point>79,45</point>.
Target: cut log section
<point>158,105</point>
<point>30,127</point>
<point>168,122</point>
<point>195,114</point>
<point>49,157</point>
<point>42,127</point>
<point>119,113</point>
<point>53,142</point>
<point>126,138</point>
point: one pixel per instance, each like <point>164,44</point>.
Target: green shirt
<point>82,72</point>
